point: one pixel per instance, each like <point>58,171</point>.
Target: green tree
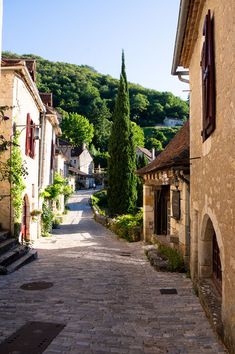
<point>154,143</point>
<point>122,193</point>
<point>76,129</point>
<point>138,134</point>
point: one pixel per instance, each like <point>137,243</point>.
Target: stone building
<point>166,195</point>
<point>24,109</point>
<point>205,50</point>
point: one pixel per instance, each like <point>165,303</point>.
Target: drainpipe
<point>41,160</point>
<point>183,12</point>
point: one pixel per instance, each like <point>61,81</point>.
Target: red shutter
<point>28,133</point>
<point>208,78</point>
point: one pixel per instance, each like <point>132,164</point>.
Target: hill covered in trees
<point>81,89</point>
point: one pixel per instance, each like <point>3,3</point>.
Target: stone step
<point>27,258</point>
<point>7,244</point>
<point>13,255</point>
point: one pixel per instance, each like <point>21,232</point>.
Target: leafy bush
<point>99,201</point>
<point>129,226</point>
<point>175,259</point>
<point>47,219</point>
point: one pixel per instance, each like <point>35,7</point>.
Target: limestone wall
<point>213,164</point>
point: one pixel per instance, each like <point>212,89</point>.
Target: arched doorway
<point>210,254</point>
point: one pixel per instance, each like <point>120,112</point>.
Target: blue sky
<point>93,32</point>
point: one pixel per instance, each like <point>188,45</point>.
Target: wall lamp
<point>37,129</point>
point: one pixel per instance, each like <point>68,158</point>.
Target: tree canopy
<point>76,129</point>
<point>82,90</point>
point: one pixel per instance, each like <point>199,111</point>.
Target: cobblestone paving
<point>110,302</point>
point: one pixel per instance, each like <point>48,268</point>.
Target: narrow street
<point>105,293</point>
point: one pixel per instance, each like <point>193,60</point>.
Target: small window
<point>208,78</point>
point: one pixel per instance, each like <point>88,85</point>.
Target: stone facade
<point>19,93</point>
<point>212,195</point>
<point>166,195</point>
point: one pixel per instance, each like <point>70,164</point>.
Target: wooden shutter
<point>208,78</point>
<point>28,135</point>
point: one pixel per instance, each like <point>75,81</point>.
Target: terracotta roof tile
<point>175,153</point>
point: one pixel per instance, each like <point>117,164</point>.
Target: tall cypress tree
<point>122,192</point>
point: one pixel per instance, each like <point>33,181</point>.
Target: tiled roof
<point>144,151</point>
<point>175,153</point>
<point>30,63</point>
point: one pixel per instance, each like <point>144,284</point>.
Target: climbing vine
<point>16,177</point>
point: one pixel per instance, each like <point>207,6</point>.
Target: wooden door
<point>24,220</point>
<point>217,271</point>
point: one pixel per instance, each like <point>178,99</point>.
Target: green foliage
<point>129,226</point>
<point>47,218</point>
<point>159,137</point>
<point>16,177</point>
<point>154,143</point>
<point>59,187</point>
<point>138,135</point>
<point>82,90</point>
<point>176,260</point>
<point>122,193</point>
<point>76,129</point>
<point>100,202</point>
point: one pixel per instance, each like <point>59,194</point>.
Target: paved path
<point>109,302</point>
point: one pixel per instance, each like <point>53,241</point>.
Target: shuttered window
<point>30,137</point>
<point>208,78</point>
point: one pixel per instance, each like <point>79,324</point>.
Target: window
<point>208,78</point>
<point>30,137</point>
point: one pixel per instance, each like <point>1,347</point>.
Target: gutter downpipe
<point>183,12</point>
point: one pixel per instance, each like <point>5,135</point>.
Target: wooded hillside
<point>83,90</point>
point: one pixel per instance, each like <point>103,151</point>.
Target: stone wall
<point>213,165</point>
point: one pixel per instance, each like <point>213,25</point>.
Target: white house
<point>25,110</point>
<point>172,122</point>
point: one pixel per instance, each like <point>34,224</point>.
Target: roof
<point>186,34</point>
<point>176,153</point>
<point>30,64</point>
<point>78,172</point>
<point>144,151</point>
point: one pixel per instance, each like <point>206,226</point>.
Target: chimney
<point>153,154</point>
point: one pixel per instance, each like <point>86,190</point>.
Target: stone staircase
<point>13,255</point>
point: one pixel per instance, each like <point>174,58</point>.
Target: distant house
<point>173,122</point>
<point>143,152</point>
<point>166,194</point>
<point>82,164</point>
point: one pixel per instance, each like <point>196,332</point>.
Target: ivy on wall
<point>16,177</point>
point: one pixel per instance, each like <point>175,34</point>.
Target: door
<point>162,211</point>
<point>24,220</point>
<point>217,272</point>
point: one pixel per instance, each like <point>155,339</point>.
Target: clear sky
<point>93,32</point>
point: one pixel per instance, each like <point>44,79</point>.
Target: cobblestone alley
<point>108,301</point>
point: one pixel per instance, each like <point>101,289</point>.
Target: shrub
<point>174,257</point>
<point>47,219</point>
<point>99,201</point>
<point>129,226</point>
